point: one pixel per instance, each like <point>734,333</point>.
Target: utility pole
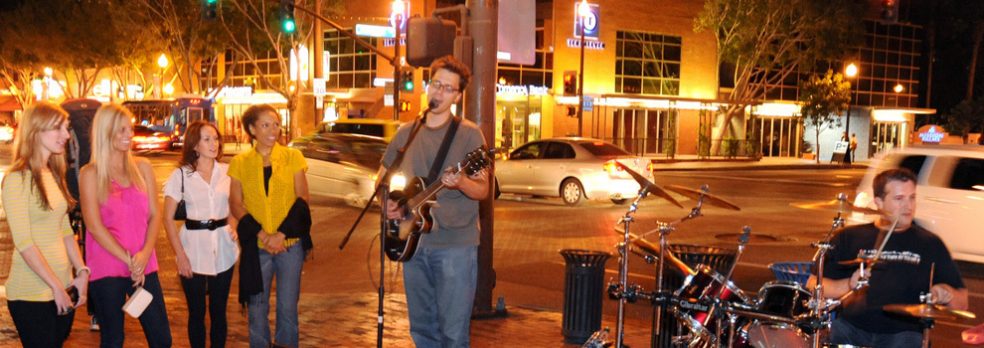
<point>480,108</point>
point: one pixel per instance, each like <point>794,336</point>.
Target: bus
<point>172,116</point>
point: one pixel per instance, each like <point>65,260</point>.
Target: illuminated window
<point>350,65</point>
<point>647,63</point>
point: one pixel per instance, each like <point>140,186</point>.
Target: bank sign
<point>592,22</point>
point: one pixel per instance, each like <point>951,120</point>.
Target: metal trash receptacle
<point>584,290</point>
<point>718,259</point>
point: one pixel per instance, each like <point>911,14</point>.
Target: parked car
<point>573,169</point>
<point>341,166</point>
<point>146,139</point>
<point>366,126</point>
<point>949,193</point>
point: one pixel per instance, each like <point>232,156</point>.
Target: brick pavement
<point>347,320</point>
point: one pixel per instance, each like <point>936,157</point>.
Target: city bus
<point>171,116</point>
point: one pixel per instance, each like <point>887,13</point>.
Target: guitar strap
<point>442,153</point>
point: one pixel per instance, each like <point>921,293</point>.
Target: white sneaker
<point>93,324</point>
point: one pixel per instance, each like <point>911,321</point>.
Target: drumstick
<point>654,249</point>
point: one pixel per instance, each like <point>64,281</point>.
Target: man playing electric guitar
<point>440,278</point>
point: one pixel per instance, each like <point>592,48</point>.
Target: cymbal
<point>649,186</point>
<point>928,311</point>
<point>708,198</point>
<point>835,206</point>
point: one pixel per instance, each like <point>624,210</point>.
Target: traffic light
<point>571,111</point>
<point>570,82</point>
<point>429,38</point>
<point>287,16</point>
<point>211,9</point>
<point>404,106</point>
<point>406,79</point>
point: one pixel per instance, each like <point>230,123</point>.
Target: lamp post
<point>850,71</point>
<point>583,11</point>
<point>161,62</point>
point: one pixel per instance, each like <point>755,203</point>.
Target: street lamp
<point>850,71</point>
<point>161,62</point>
<point>583,11</point>
<point>899,88</point>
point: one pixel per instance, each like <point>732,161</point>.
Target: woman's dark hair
<point>252,114</point>
<point>193,135</point>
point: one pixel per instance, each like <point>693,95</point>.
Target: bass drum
<point>762,334</point>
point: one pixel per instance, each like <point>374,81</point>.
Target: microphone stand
<point>382,186</point>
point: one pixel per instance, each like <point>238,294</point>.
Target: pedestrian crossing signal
<point>570,82</point>
<point>404,106</point>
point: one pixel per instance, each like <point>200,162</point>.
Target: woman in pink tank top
<point>119,204</point>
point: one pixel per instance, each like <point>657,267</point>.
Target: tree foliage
<point>967,117</point>
<point>765,41</point>
<point>822,100</point>
<point>77,39</point>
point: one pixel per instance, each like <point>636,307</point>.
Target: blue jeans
<point>108,294</point>
<point>842,332</point>
<point>440,286</point>
<point>287,267</point>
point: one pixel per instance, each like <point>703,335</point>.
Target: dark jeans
<point>216,288</point>
<point>39,324</point>
<point>109,294</point>
<point>842,332</point>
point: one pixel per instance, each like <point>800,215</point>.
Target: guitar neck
<point>427,193</point>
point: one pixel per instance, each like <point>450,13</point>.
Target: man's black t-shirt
<point>901,275</point>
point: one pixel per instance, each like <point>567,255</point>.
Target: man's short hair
<point>883,178</point>
<point>453,65</point>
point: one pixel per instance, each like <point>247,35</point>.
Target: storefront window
<point>647,63</point>
<point>350,65</point>
<point>517,122</point>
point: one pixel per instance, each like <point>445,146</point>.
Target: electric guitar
<point>402,235</point>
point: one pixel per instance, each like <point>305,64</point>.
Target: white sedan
<point>573,169</point>
<point>341,166</point>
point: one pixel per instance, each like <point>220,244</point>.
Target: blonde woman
<point>37,203</point>
<point>119,204</point>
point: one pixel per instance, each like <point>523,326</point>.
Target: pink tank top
<point>125,215</point>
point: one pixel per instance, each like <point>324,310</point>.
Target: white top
<point>210,252</point>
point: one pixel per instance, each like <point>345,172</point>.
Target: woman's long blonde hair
<point>110,119</point>
<point>40,117</point>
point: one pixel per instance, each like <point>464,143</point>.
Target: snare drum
<point>696,296</point>
<point>783,298</point>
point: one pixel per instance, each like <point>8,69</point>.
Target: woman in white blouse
<point>205,246</point>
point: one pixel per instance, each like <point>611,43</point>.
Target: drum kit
<point>713,312</point>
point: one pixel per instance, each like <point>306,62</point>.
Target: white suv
<point>949,193</point>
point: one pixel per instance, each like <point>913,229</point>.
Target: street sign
<point>318,87</point>
<point>588,103</point>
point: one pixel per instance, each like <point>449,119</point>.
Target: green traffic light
<point>289,25</point>
<point>211,2</point>
<point>408,86</point>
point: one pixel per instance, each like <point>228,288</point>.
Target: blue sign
<point>374,31</point>
<point>588,104</point>
<point>592,22</point>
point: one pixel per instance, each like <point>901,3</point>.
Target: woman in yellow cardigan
<point>37,203</point>
<point>267,180</point>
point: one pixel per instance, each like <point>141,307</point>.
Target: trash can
<point>584,289</point>
<point>718,259</point>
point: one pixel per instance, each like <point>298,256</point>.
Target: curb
<point>657,168</point>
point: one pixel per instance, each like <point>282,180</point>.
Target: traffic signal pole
<point>480,108</point>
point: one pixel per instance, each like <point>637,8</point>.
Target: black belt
<point>205,224</point>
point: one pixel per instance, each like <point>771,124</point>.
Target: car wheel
<point>571,192</point>
<point>619,201</point>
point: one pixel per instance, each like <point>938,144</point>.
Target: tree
<point>823,99</point>
<point>766,41</point>
<point>187,35</point>
<point>254,32</point>
<point>967,117</point>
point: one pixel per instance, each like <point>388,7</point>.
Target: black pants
<point>216,288</point>
<point>109,295</point>
<point>39,324</point>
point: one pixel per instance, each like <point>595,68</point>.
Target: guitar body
<point>403,236</point>
<point>416,200</point>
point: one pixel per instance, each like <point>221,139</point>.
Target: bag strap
<point>442,153</point>
<point>182,183</point>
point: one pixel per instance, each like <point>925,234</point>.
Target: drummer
<point>901,275</point>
